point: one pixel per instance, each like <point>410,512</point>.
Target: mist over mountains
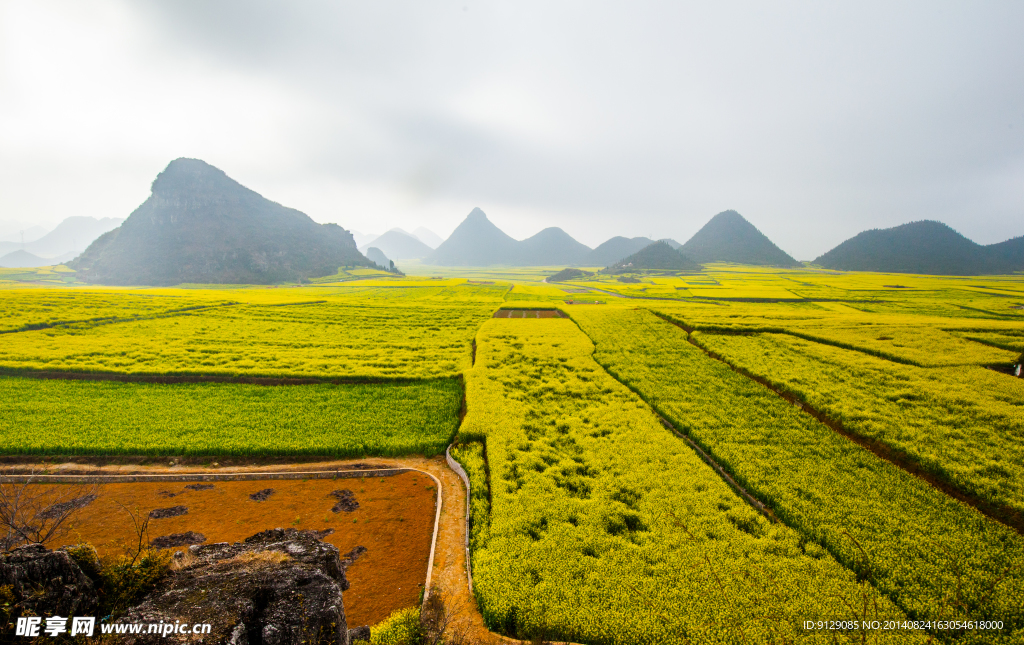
<point>200,226</point>
<point>64,242</point>
<point>398,245</point>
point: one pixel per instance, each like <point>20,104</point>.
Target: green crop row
<point>936,557</point>
<point>471,457</point>
<point>112,418</point>
<point>962,424</point>
<point>606,528</point>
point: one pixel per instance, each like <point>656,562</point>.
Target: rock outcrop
<point>46,583</point>
<point>200,226</point>
<point>278,587</point>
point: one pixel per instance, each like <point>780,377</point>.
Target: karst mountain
<point>925,247</point>
<point>478,242</point>
<point>200,226</point>
<point>728,237</point>
<point>659,256</point>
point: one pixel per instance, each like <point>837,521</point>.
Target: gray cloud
<point>813,120</point>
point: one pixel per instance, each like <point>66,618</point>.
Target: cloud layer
<point>814,120</point>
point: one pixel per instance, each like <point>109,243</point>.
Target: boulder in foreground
<point>280,587</point>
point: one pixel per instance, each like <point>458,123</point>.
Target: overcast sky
<point>814,120</point>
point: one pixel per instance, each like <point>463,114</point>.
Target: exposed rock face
<point>279,587</point>
<point>47,583</point>
<point>199,225</point>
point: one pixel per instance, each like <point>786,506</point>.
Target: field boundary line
<point>110,320</point>
<point>1005,515</point>
<point>433,539</point>
<point>755,503</point>
<point>743,492</point>
<point>131,478</point>
<point>213,378</point>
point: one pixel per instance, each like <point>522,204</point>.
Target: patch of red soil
<point>394,521</point>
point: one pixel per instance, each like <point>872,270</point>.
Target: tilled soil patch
<point>174,511</point>
<point>56,510</point>
<point>178,539</point>
<point>346,501</point>
<point>261,495</point>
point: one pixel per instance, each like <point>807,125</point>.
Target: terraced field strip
<point>1008,515</point>
<point>897,455</point>
<point>913,542</point>
<point>743,492</point>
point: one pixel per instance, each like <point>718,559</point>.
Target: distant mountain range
<point>398,245</point>
<point>614,250</point>
<point>63,243</point>
<point>23,259</point>
<point>478,242</point>
<point>375,255</point>
<point>200,226</point>
<point>924,247</point>
<point>726,238</point>
<point>658,256</point>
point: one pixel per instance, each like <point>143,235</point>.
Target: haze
<point>813,120</point>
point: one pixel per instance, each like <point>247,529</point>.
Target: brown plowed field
<point>394,521</point>
<point>528,313</point>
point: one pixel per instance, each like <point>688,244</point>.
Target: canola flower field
<point>335,338</point>
<point>606,528</point>
<point>913,542</point>
<point>962,424</point>
<point>590,520</point>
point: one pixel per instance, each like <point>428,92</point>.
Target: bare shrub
<point>438,619</point>
<point>32,512</point>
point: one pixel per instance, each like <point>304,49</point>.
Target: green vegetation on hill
<point>200,226</point>
<point>654,257</point>
<point>569,274</point>
<point>728,237</point>
<point>924,247</point>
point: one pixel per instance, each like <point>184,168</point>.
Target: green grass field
<point>51,417</point>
